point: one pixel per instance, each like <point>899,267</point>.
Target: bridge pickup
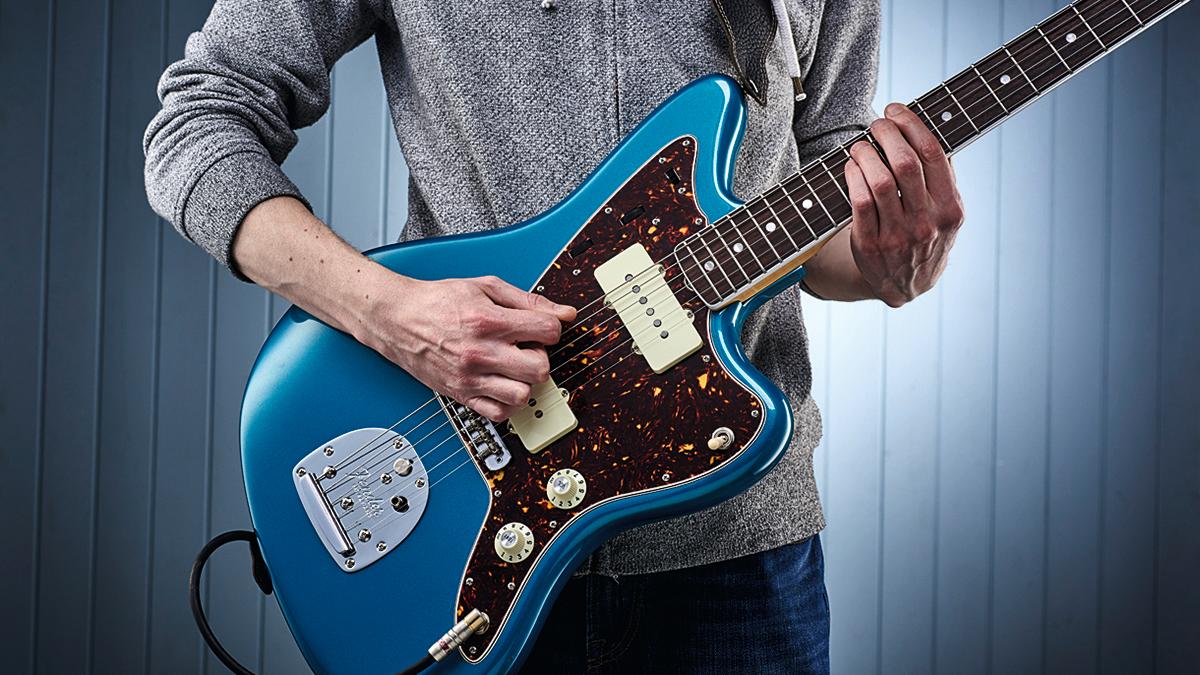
<point>547,418</point>
<point>636,287</point>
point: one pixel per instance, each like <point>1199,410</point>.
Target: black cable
<point>417,667</point>
<point>260,576</point>
<point>263,579</point>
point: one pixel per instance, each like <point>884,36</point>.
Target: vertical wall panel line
<point>43,337</point>
<point>995,430</point>
<point>384,171</point>
<point>98,345</point>
<point>935,570</point>
<point>1162,336</point>
<point>1105,349</point>
<point>155,389</point>
<point>1049,440</point>
<point>210,403</point>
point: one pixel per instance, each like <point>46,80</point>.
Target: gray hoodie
<point>501,109</point>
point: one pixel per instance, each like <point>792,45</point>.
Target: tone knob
<point>514,542</point>
<point>566,488</point>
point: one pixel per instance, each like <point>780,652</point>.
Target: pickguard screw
<point>706,358</point>
<point>656,221</point>
<point>698,221</point>
<point>553,524</point>
<point>420,482</point>
<point>496,493</point>
<point>328,451</point>
<point>662,160</point>
<point>347,503</point>
<point>473,648</point>
<point>511,586</point>
<point>754,413</point>
<point>686,142</point>
<point>666,477</point>
<point>469,581</point>
<point>682,191</point>
<point>575,271</point>
<point>350,563</point>
<point>540,289</point>
<point>608,209</point>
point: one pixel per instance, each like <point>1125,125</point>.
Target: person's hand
<point>480,341</point>
<point>906,218</point>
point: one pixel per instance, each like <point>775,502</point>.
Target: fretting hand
<point>906,217</point>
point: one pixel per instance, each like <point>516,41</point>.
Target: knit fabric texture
<point>501,109</point>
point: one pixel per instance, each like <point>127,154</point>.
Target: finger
<point>904,162</point>
<point>506,295</point>
<point>490,408</point>
<point>524,365</point>
<point>866,220</point>
<point>522,325</point>
<point>504,390</point>
<point>939,176</point>
<point>881,183</point>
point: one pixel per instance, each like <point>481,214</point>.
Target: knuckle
<point>521,393</point>
<point>906,163</point>
<point>929,149</point>
<point>542,368</point>
<point>861,202</point>
<point>473,358</point>
<point>883,183</point>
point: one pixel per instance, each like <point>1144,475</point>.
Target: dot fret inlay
<point>1005,79</point>
<point>947,116</point>
<point>1071,37</point>
<point>807,203</point>
<point>770,227</point>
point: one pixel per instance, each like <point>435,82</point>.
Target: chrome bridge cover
<point>364,492</point>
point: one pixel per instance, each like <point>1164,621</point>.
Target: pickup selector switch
<point>514,542</point>
<point>566,488</point>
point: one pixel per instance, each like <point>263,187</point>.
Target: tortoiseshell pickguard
<point>638,430</point>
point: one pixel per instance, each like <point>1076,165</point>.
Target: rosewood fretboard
<point>735,255</point>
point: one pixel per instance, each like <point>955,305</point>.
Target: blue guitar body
<point>379,608</point>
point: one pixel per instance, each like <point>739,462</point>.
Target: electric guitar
<point>392,518</point>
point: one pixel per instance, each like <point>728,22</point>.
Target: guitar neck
<point>777,231</point>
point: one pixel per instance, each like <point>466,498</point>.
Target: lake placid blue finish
<point>311,384</point>
<point>961,537</point>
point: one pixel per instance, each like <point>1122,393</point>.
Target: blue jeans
<point>765,613</point>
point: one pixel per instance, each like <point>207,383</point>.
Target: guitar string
<point>374,451</point>
<point>402,490</point>
<point>374,454</point>
<point>1041,49</point>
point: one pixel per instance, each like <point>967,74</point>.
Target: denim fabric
<point>763,613</point>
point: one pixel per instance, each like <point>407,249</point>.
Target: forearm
<point>833,275</point>
<point>286,249</point>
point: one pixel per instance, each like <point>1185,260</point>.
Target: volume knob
<point>514,542</point>
<point>566,488</point>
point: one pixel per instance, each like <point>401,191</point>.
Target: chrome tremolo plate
<point>364,492</point>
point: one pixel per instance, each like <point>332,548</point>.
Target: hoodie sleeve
<point>842,71</point>
<point>256,71</point>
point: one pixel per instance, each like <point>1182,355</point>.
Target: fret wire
<point>745,241</point>
<point>782,225</point>
<point>816,198</point>
<point>732,253</point>
<point>934,125</point>
<point>765,234</point>
<point>1017,63</point>
<point>960,107</point>
<point>834,179</point>
<point>799,212</point>
<point>713,256</point>
<point>1135,14</point>
<point>1060,57</point>
<point>707,277</point>
<point>1089,26</point>
<point>989,88</point>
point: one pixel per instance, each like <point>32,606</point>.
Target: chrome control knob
<point>514,542</point>
<point>566,488</point>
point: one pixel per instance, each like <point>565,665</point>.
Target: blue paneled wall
<point>1011,464</point>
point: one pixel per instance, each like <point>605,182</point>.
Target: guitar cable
<point>475,621</point>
